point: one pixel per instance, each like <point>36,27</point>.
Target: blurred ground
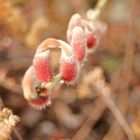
<point>25,23</point>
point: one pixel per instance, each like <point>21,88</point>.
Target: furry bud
<point>69,69</point>
<point>78,42</point>
<point>74,21</point>
<point>42,66</point>
<point>91,40</point>
<point>40,102</point>
<point>29,85</point>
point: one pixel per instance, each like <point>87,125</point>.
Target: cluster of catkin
<point>82,37</point>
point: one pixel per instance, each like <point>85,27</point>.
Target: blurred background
<point>24,24</point>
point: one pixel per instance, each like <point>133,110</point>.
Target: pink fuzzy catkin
<point>69,69</point>
<point>75,20</point>
<point>42,66</point>
<point>78,42</point>
<point>91,41</point>
<point>29,90</point>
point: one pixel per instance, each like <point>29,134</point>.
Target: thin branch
<point>97,11</point>
<point>96,113</point>
<point>100,6</point>
<point>104,92</point>
<point>17,134</point>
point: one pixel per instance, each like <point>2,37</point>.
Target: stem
<point>106,98</point>
<point>49,86</point>
<point>93,117</point>
<point>99,7</point>
<point>103,90</point>
<point>17,134</point>
<point>95,13</point>
<point>56,80</point>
